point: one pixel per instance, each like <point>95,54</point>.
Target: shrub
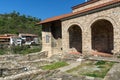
<point>2,51</point>
<point>24,49</point>
<point>100,63</point>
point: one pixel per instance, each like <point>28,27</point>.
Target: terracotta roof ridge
<point>54,18</point>
<point>84,4</point>
<point>97,6</point>
<point>81,11</point>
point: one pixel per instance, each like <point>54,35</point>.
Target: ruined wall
<point>51,38</point>
<point>86,21</point>
<point>56,37</point>
<point>46,38</point>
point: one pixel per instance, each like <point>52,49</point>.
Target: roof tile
<point>79,12</point>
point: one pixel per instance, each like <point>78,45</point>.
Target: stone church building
<point>91,26</point>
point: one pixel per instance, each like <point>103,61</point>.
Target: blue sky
<point>38,8</point>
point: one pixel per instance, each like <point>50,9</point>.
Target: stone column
<point>116,50</point>
<point>65,41</point>
<point>86,42</point>
<point>46,40</point>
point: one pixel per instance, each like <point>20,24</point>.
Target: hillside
<point>15,23</point>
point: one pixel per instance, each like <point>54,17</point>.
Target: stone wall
<point>16,64</point>
<point>30,75</point>
<point>86,21</point>
<point>30,57</point>
<point>46,38</point>
<point>52,38</point>
<point>56,43</point>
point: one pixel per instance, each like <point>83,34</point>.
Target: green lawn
<point>92,68</point>
<point>54,65</point>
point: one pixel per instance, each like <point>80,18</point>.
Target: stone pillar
<point>116,50</point>
<point>86,42</point>
<point>65,41</point>
<point>46,40</point>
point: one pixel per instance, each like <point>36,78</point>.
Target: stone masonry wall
<point>46,39</point>
<point>56,38</point>
<point>85,22</point>
<point>52,38</point>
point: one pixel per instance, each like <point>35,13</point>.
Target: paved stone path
<point>114,73</point>
<point>112,59</point>
<point>72,65</point>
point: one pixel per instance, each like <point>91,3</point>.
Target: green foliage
<point>98,69</point>
<point>2,51</point>
<point>54,65</point>
<point>24,49</point>
<point>15,23</point>
<point>98,73</point>
<point>100,63</point>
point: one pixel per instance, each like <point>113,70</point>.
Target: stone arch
<point>102,35</point>
<point>74,23</point>
<point>105,18</point>
<point>75,38</point>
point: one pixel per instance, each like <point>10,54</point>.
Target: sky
<point>41,9</point>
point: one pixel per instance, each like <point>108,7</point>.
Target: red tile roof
<point>79,12</point>
<point>4,37</point>
<point>22,34</point>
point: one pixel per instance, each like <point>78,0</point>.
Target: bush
<point>2,51</point>
<point>24,49</point>
<point>100,63</point>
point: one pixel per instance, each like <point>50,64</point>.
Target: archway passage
<point>75,38</point>
<point>102,36</point>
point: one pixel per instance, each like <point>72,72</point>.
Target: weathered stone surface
<point>114,73</point>
<point>99,30</point>
<point>17,57</point>
<point>64,76</point>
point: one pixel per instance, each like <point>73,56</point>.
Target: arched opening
<point>75,38</point>
<point>102,36</point>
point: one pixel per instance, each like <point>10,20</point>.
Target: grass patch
<point>2,51</point>
<point>92,68</point>
<point>54,65</point>
<point>97,73</point>
<point>100,63</point>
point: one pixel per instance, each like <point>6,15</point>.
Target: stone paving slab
<point>72,65</point>
<point>112,59</point>
<point>114,73</point>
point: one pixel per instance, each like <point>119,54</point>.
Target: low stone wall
<point>8,72</point>
<point>31,75</point>
<point>10,68</point>
<point>15,64</point>
<point>17,57</point>
<point>114,73</point>
<point>38,55</point>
